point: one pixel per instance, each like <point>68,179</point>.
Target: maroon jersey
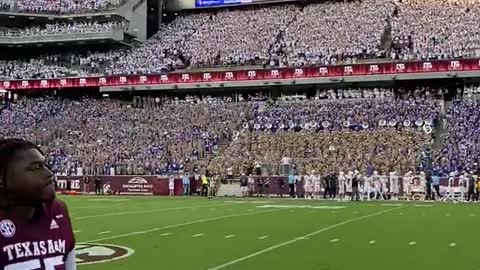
<point>41,244</point>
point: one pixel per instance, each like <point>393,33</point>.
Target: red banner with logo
<point>251,74</point>
<point>154,185</point>
<point>122,185</point>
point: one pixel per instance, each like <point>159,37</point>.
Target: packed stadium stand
<point>55,7</point>
<point>282,35</point>
<point>374,128</point>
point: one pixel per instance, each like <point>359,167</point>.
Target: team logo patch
<point>7,228</point>
<point>100,253</point>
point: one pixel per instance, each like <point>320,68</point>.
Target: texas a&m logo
<point>164,78</point>
<point>83,81</point>
<point>348,69</point>
<point>207,76</point>
<point>323,71</point>
<point>123,79</point>
<point>252,74</point>
<point>185,77</point>
<point>427,66</point>
<point>102,80</point>
<point>43,83</point>
<point>143,79</point>
<point>298,72</point>
<point>454,64</point>
<point>228,75</point>
<point>24,83</point>
<point>100,253</point>
<point>373,68</point>
<point>6,84</point>
<point>63,82</point>
<point>400,67</point>
<point>274,73</point>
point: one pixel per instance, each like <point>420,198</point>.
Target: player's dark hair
<point>8,148</point>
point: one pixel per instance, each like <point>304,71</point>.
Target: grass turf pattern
<point>199,234</point>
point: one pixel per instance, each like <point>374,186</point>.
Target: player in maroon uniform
<point>35,228</point>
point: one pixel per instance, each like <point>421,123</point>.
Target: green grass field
<point>200,234</point>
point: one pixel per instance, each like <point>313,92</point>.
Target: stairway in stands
<point>441,128</point>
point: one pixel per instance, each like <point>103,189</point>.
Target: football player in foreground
<point>35,228</point>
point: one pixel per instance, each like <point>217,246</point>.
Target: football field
<point>126,233</point>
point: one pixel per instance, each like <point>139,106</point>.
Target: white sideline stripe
<point>230,236</point>
<point>263,237</point>
<point>177,225</point>
<point>305,236</point>
<point>77,231</point>
<point>198,235</point>
<point>148,211</point>
<point>105,232</point>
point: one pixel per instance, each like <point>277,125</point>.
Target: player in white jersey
<point>308,186</point>
<point>384,189</point>
<point>341,186</point>
<point>422,188</point>
<point>462,184</point>
<point>317,185</point>
<point>348,185</point>
<point>377,184</point>
<point>394,188</point>
<point>407,185</point>
<point>367,186</point>
<point>450,192</point>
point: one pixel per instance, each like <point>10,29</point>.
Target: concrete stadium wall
<point>180,4</point>
<point>135,11</point>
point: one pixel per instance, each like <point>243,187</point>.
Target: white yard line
<point>222,266</point>
<point>95,206</point>
<point>230,236</point>
<point>372,242</point>
<point>198,235</point>
<point>148,211</point>
<point>165,234</point>
<point>179,225</point>
<point>77,231</point>
<point>105,232</point>
<point>263,237</point>
<point>334,240</point>
<point>412,243</point>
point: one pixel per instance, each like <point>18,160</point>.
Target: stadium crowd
<point>156,136</point>
<point>461,141</point>
<point>100,135</point>
<point>437,29</point>
<point>280,35</point>
<point>239,37</point>
<point>332,32</point>
<point>58,7</point>
<point>62,29</point>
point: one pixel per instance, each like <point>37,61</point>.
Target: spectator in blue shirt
<point>436,186</point>
<point>291,184</point>
<point>186,185</point>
